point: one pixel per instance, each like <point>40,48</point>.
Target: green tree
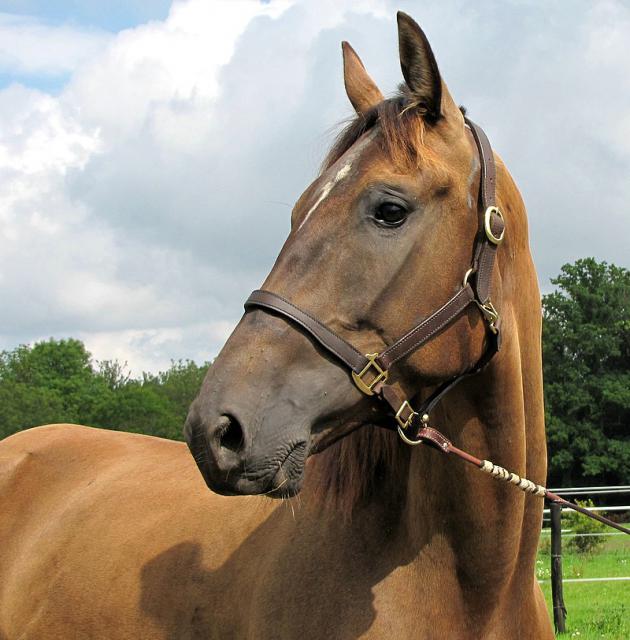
<point>155,404</point>
<point>586,356</point>
<point>179,386</point>
<point>57,381</point>
<point>52,381</point>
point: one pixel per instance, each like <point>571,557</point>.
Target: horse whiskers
<point>201,455</point>
<point>264,493</point>
<point>201,458</point>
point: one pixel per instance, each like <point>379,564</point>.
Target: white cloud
<point>140,205</point>
<point>65,270</point>
<point>39,136</point>
<point>163,64</point>
<point>155,349</point>
<point>28,46</point>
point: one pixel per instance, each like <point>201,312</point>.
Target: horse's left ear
<point>361,89</point>
<point>420,70</point>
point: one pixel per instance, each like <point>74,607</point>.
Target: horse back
<point>107,530</point>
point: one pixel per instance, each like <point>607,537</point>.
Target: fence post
<point>559,610</point>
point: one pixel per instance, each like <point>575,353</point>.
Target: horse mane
<point>369,463</point>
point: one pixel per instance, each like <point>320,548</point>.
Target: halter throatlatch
<point>370,372</point>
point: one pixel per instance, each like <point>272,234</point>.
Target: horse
<point>340,529</point>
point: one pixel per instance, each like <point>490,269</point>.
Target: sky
<point>151,151</point>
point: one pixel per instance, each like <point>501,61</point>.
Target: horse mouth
<point>287,479</point>
<point>283,478</point>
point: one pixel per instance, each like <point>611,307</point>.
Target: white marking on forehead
<point>327,188</point>
<point>322,195</point>
<point>341,173</point>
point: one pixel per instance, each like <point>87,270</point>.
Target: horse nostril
<point>230,433</point>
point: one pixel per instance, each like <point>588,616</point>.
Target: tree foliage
<point>586,356</point>
<point>57,381</point>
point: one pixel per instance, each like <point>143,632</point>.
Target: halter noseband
<point>370,372</point>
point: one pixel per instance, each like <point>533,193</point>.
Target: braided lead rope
<point>441,442</point>
<point>523,484</point>
<point>528,486</point>
<point>538,490</point>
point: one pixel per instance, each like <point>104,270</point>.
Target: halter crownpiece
<point>370,372</point>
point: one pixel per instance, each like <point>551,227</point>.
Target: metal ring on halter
<point>467,275</point>
<point>404,438</point>
<point>487,224</point>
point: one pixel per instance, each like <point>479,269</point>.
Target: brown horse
<point>114,535</point>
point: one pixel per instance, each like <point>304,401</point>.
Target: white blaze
<point>340,175</point>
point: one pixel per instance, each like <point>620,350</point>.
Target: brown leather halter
<point>371,371</point>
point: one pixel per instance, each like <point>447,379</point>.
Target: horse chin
<point>287,480</point>
<point>282,492</point>
<point>283,481</point>
<point>280,487</point>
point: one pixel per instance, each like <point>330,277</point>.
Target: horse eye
<point>390,214</point>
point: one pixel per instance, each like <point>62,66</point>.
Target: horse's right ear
<point>361,89</point>
<point>419,67</point>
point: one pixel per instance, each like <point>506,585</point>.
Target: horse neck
<point>432,512</point>
<point>489,530</point>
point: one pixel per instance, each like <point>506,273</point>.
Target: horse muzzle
<point>231,463</point>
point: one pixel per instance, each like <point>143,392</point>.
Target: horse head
<point>379,240</point>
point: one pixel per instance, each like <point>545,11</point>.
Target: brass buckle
<point>487,224</point>
<point>405,422</point>
<point>381,375</point>
<point>490,314</point>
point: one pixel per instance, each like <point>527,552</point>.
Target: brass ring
<point>404,438</point>
<point>487,219</point>
<point>467,275</point>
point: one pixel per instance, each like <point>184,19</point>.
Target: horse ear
<point>361,89</point>
<point>419,67</point>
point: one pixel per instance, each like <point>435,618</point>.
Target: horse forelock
<point>403,135</point>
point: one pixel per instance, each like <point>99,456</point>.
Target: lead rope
<point>442,443</point>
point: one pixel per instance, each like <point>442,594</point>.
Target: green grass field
<point>595,609</point>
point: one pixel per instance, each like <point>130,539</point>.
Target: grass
<point>594,609</point>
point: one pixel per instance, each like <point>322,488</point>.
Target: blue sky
<point>110,15</point>
<point>96,15</point>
